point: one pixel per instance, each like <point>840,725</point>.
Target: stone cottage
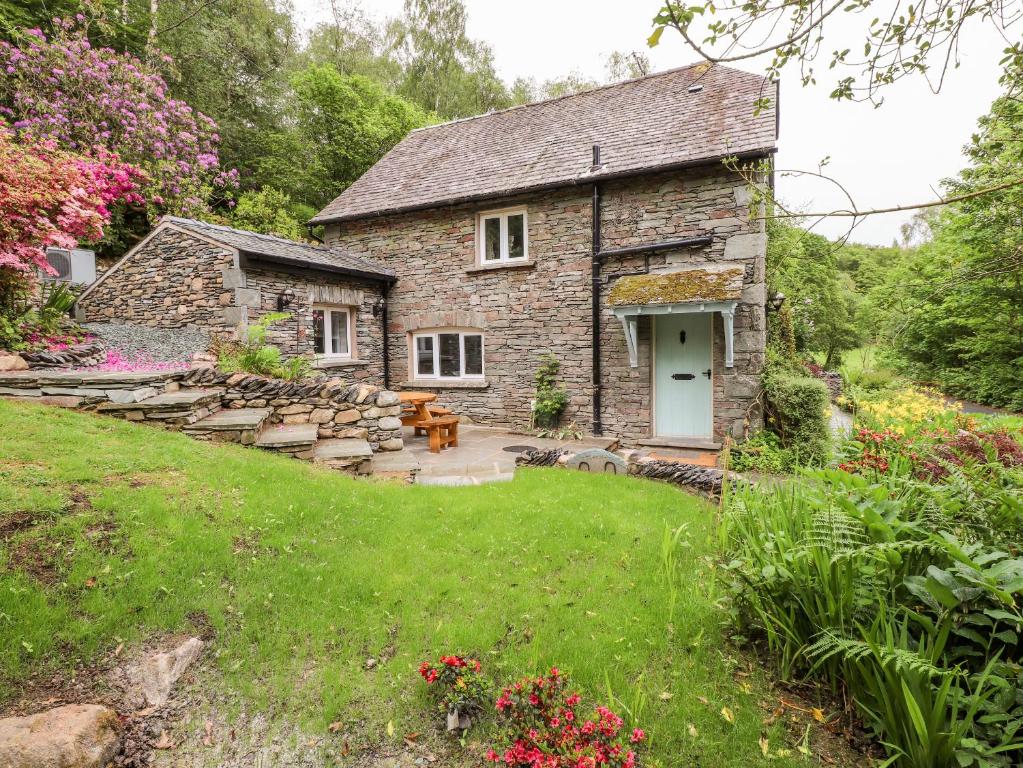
<point>603,227</point>
<point>190,273</point>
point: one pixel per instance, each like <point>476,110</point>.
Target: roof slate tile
<point>641,125</point>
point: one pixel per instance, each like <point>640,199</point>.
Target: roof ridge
<point>585,92</point>
<point>249,232</point>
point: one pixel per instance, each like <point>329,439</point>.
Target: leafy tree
<point>899,39</point>
<point>267,210</point>
<point>443,70</point>
<point>958,317</point>
<point>229,60</point>
<point>340,127</point>
<point>822,301</point>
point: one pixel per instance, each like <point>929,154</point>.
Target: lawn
<point>113,533</point>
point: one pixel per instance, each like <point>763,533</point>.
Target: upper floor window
<point>332,331</point>
<point>502,236</point>
<point>448,354</point>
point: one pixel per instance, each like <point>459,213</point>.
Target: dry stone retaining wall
<point>340,409</point>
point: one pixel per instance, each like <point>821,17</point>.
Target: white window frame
<point>501,215</point>
<point>436,375</point>
<point>327,338</point>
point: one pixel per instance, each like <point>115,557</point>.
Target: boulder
<point>13,363</point>
<point>72,736</point>
<point>155,676</point>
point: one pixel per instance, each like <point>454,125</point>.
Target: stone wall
<point>173,280</point>
<point>295,335</point>
<point>340,409</point>
<point>544,306</point>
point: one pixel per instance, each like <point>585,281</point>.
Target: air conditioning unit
<point>77,266</point>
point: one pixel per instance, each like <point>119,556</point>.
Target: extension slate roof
<point>685,286</point>
<point>671,119</point>
<point>280,250</point>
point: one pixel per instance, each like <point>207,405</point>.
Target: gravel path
<point>161,344</point>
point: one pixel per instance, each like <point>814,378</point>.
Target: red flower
<point>637,735</point>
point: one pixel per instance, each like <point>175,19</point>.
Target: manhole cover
<point>519,448</point>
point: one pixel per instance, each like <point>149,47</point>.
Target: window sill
<point>338,362</point>
<point>445,384</point>
<point>528,264</point>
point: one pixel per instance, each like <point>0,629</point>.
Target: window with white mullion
<point>448,355</point>
<point>503,236</point>
<point>332,330</point>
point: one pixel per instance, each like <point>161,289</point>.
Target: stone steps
<point>230,425</point>
<point>294,439</point>
<point>349,453</point>
<point>178,409</point>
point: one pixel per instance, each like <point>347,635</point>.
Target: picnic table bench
<point>439,423</point>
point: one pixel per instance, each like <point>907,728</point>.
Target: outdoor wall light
<point>285,299</point>
<point>378,306</point>
<point>775,301</point>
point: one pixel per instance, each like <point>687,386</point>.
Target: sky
<point>891,155</point>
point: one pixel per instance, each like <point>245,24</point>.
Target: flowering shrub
<point>458,684</point>
<point>541,728</point>
<point>997,446</point>
<point>876,451</point>
<point>49,197</point>
<point>96,100</point>
<point>905,410</point>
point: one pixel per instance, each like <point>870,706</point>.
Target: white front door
<point>682,375</point>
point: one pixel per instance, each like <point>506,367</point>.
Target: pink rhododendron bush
<point>50,197</point>
<point>96,100</point>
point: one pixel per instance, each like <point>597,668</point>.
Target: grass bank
<point>112,533</point>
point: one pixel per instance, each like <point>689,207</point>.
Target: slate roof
<point>280,250</point>
<point>685,286</point>
<point>672,119</point>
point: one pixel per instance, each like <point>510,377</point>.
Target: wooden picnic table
<point>418,401</point>
<point>438,423</point>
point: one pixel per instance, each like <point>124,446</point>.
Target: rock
<point>390,423</point>
<point>291,410</point>
<point>597,460</point>
<point>350,416</point>
<point>386,398</point>
<point>156,675</point>
<point>12,363</point>
<point>321,416</point>
<point>130,395</point>
<point>363,392</point>
<point>73,736</point>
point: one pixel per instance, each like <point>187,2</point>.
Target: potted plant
<point>551,399</point>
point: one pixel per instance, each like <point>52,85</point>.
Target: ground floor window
<point>448,355</point>
<point>332,331</point>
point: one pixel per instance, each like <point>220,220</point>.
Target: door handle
<point>683,376</point>
<point>707,373</point>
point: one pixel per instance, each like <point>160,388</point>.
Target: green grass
<point>303,574</point>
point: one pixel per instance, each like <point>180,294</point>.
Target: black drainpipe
<point>386,347</point>
<point>598,428</point>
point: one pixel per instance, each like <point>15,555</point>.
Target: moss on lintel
<point>677,287</point>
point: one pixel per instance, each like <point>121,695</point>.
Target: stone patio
<point>484,454</point>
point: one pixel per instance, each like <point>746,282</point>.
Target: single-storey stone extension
<point>190,273</point>
<point>603,227</point>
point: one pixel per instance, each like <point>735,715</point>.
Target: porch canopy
<point>710,288</point>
